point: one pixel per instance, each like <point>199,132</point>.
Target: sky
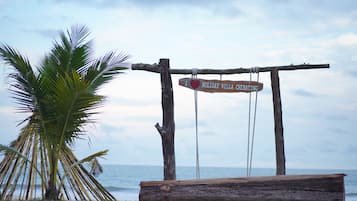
<point>319,106</point>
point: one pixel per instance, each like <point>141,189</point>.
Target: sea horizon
<point>229,166</point>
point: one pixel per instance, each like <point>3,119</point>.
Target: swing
<point>195,84</point>
<point>226,86</point>
<point>251,135</point>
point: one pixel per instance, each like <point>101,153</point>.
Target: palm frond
<point>95,155</point>
<point>19,168</point>
<point>104,69</point>
<point>80,179</point>
<point>13,58</point>
<point>24,80</point>
<point>89,158</point>
<point>11,151</point>
<point>73,105</point>
<point>72,52</point>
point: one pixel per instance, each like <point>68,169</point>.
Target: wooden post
<point>278,123</point>
<point>167,131</point>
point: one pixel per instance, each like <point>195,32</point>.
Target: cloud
<point>310,19</point>
<point>337,117</point>
<point>208,133</point>
<point>335,7</point>
<point>134,101</point>
<point>317,7</point>
<point>109,128</point>
<point>351,149</point>
<point>279,1</point>
<point>353,73</point>
<point>48,33</point>
<point>304,93</point>
<point>5,18</point>
<point>222,7</point>
<point>340,131</point>
<point>346,39</point>
<point>342,22</point>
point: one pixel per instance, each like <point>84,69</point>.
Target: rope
<point>249,112</point>
<point>253,132</point>
<point>251,128</point>
<point>194,76</point>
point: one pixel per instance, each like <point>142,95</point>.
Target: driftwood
<point>278,123</point>
<point>155,68</point>
<point>167,131</point>
<point>272,188</point>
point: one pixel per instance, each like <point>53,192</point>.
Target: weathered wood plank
<point>156,69</point>
<point>278,123</point>
<point>276,188</point>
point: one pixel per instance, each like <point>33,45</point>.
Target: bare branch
<point>160,129</point>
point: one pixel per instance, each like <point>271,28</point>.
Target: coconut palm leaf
<point>23,76</point>
<point>87,159</point>
<point>12,151</point>
<point>61,98</point>
<point>15,171</point>
<point>71,52</point>
<point>104,69</point>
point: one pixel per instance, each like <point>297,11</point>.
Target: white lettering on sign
<point>246,87</point>
<point>220,85</point>
<point>227,86</point>
<point>211,85</point>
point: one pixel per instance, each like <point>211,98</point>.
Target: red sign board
<point>221,85</point>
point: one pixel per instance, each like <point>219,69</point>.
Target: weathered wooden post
<point>278,123</point>
<point>167,131</point>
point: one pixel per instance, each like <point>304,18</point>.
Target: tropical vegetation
<point>59,97</point>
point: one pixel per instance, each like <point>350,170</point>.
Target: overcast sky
<point>319,106</point>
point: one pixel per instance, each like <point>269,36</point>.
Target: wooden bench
<point>268,188</point>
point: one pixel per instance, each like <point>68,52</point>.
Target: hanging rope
<point>251,135</point>
<point>194,76</point>
<point>253,131</point>
<point>249,112</point>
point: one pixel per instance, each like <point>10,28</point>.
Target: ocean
<point>123,180</point>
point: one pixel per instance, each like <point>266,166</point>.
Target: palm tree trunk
<point>51,191</point>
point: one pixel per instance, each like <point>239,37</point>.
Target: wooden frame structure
<point>167,130</point>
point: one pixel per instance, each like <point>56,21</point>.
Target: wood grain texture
<point>156,69</point>
<point>278,123</point>
<point>167,131</point>
<point>276,188</point>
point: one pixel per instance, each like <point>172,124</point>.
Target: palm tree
<point>60,97</point>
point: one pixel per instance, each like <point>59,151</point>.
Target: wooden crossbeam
<point>156,69</point>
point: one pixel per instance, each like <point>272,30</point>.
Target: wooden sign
<point>220,85</point>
